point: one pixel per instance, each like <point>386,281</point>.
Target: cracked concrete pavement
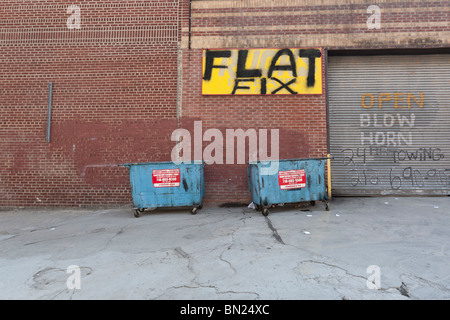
<point>235,253</point>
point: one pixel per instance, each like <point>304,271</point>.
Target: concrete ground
<point>364,248</point>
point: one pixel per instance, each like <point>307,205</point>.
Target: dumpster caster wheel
<point>137,213</point>
<point>313,203</point>
<point>265,212</point>
<point>327,206</point>
<point>193,210</point>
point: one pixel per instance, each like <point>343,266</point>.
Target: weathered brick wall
<point>114,98</point>
<point>324,23</point>
<point>301,119</point>
<point>117,96</point>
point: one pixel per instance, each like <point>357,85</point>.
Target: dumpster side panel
<point>254,182</point>
<point>189,192</point>
<point>269,191</point>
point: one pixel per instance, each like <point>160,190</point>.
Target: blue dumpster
<point>165,184</point>
<point>297,180</point>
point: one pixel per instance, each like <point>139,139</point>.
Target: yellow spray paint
<point>262,71</point>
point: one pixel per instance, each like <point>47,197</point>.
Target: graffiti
<point>350,155</point>
<point>393,145</point>
<point>386,138</point>
<point>398,155</point>
<point>417,178</point>
<point>396,177</point>
<point>408,177</point>
<point>363,177</point>
<point>388,120</point>
<point>398,99</point>
<point>421,154</point>
<point>262,71</point>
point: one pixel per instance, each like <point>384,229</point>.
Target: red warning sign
<point>166,178</point>
<point>292,179</point>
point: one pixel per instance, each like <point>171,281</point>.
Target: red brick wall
<point>116,90</point>
<point>327,23</point>
<point>300,120</point>
<point>114,98</point>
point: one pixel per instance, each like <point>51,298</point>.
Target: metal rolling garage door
<point>389,124</point>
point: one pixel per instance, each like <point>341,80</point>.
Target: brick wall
<point>301,119</point>
<point>118,93</point>
<point>325,23</point>
<point>114,98</point>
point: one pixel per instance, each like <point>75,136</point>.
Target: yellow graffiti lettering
<point>383,97</point>
<point>363,100</point>
<point>411,96</point>
<point>397,99</point>
<point>262,71</point>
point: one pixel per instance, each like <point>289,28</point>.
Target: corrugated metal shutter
<point>389,122</point>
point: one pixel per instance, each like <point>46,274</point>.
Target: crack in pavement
<point>226,261</point>
<point>402,289</point>
<point>98,230</point>
<point>332,266</point>
<point>50,278</point>
<point>274,230</point>
<point>183,254</point>
<point>228,247</point>
<point>61,292</point>
<point>239,292</point>
<point>215,288</point>
<point>421,282</point>
<point>196,284</point>
<point>117,233</point>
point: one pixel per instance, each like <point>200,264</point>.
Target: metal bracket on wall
<point>49,111</point>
